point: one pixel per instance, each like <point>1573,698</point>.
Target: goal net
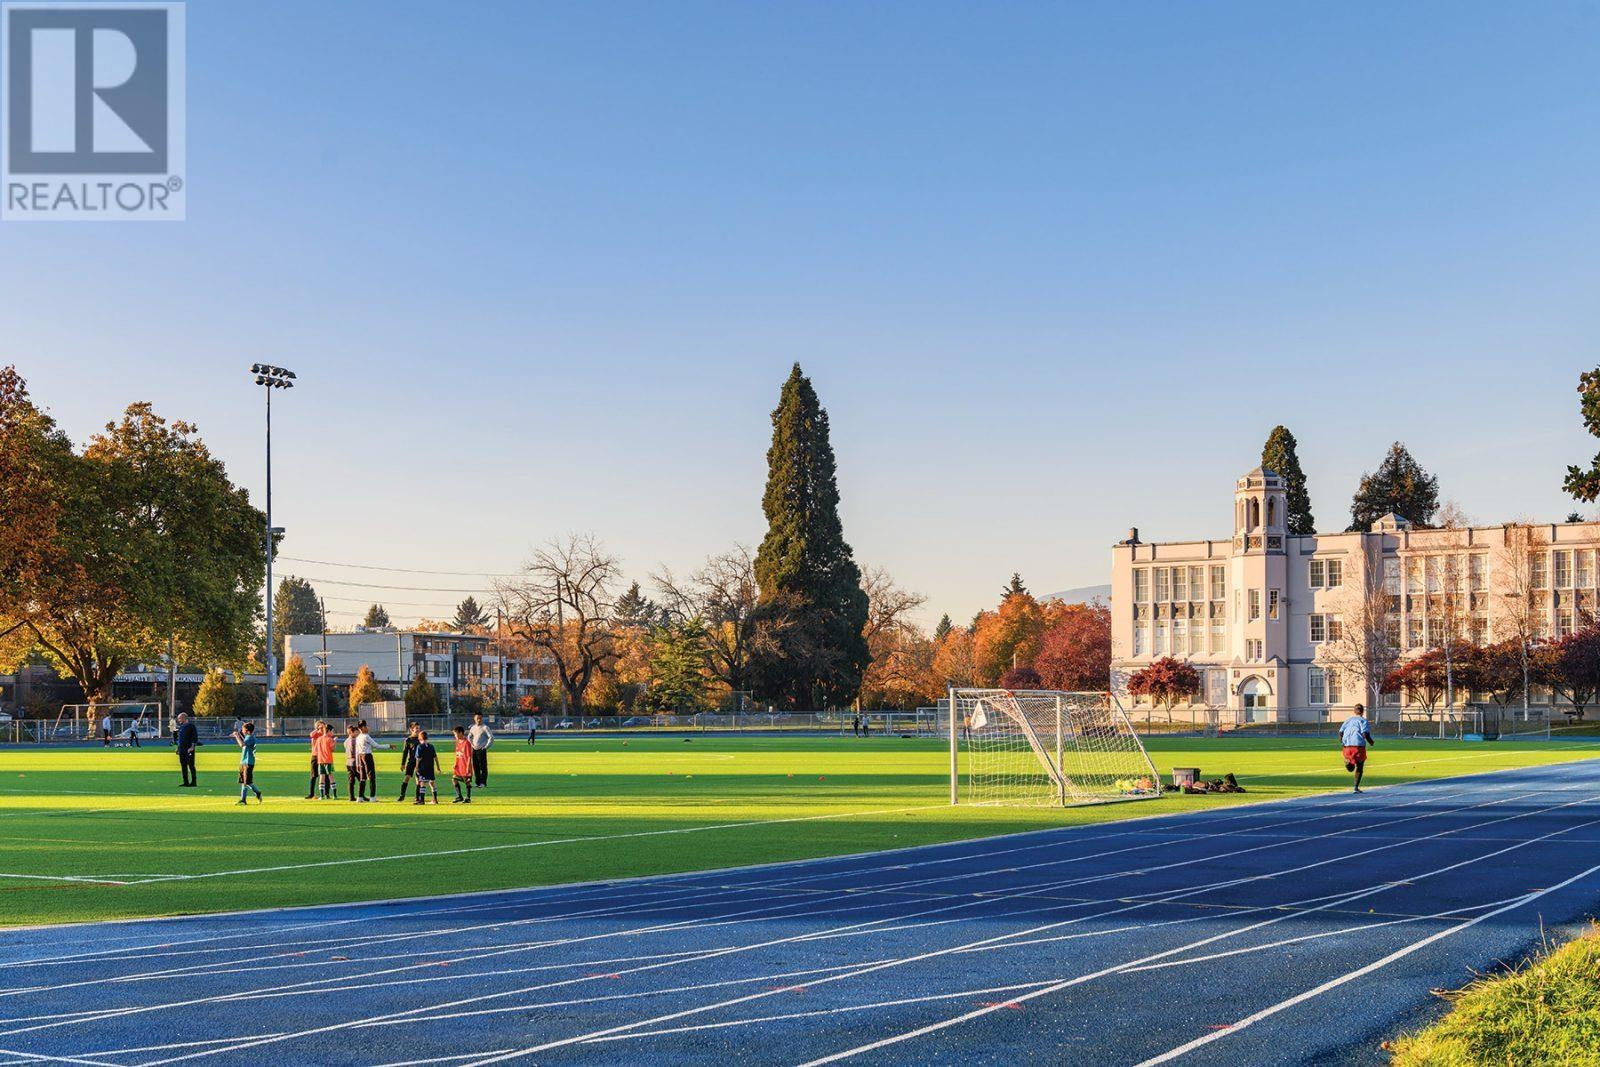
<point>1043,747</point>
<point>130,720</point>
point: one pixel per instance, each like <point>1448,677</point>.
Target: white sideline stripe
<point>531,844</point>
<point>1118,968</point>
<point>38,1057</point>
<point>531,1050</point>
<point>1361,972</point>
<point>436,1059</point>
<point>64,878</point>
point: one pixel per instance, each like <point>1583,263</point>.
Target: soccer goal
<point>1044,748</point>
<point>129,719</point>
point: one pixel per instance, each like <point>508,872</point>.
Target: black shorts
<point>247,774</point>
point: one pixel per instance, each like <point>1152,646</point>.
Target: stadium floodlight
<point>1045,748</point>
<point>269,378</point>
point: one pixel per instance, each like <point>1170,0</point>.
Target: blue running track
<point>1298,932</point>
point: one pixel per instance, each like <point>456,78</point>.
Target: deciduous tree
<point>725,597</point>
<point>1584,482</point>
<point>215,698</point>
<point>561,605</point>
<point>364,691</point>
<point>1075,652</point>
<point>1164,682</point>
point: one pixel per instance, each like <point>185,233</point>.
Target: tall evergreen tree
<point>377,618</point>
<point>1279,457</point>
<point>365,690</point>
<point>944,627</point>
<point>296,609</point>
<point>421,698</point>
<point>634,609</point>
<point>813,605</point>
<point>1013,588</point>
<point>215,699</point>
<point>678,679</point>
<point>469,615</point>
<point>1399,485</point>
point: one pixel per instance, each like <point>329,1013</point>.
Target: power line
<point>396,570</point>
<point>402,588</point>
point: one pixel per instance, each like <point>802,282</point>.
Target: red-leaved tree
<point>1571,666</point>
<point>1165,681</point>
<point>1075,652</point>
<point>1021,678</point>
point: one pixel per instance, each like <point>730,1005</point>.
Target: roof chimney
<point>1133,535</point>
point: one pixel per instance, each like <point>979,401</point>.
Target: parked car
<point>145,731</point>
<point>518,725</point>
<point>591,724</point>
<point>637,720</point>
<point>564,724</point>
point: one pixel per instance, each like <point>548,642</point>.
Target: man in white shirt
<point>480,737</point>
<point>1355,735</point>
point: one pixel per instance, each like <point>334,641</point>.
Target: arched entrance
<point>1254,694</point>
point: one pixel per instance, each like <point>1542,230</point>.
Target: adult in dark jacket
<point>186,740</point>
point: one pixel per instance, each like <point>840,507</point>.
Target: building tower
<point>1258,675</point>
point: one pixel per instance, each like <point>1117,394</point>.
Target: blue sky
<point>1055,269</point>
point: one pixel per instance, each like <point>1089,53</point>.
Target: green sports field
<point>90,833</point>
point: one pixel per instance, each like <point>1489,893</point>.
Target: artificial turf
<point>74,822</point>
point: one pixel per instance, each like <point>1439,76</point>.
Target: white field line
<point>1118,968</point>
<point>1361,972</point>
<point>315,986</point>
<point>34,1057</point>
<point>758,914</point>
<point>884,965</point>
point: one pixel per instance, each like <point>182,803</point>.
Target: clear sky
<point>1055,269</point>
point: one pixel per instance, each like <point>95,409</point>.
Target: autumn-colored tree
<point>422,699</point>
<point>364,691</point>
<point>724,596</point>
<point>1075,652</point>
<point>1165,682</point>
<point>955,660</point>
<point>1009,636</point>
<point>1570,666</point>
<point>296,697</point>
<point>1021,678</point>
<point>215,699</point>
<point>1422,680</point>
<point>1495,669</point>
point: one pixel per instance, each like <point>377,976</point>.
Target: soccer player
<point>316,734</point>
<point>246,739</point>
<point>463,769</point>
<point>533,730</point>
<point>186,740</point>
<point>369,762</point>
<point>105,731</point>
<point>481,738</point>
<point>408,760</point>
<point>426,766</point>
<point>1355,735</point>
<point>322,756</point>
<point>354,768</point>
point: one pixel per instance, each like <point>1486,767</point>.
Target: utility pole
<point>323,606</point>
<point>172,680</point>
<point>270,378</point>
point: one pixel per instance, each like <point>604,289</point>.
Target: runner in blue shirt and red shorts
<point>1355,735</point>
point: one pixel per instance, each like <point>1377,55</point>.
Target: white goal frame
<point>1091,728</point>
<point>81,722</point>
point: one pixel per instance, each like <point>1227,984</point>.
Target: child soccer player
<point>463,769</point>
<point>245,736</point>
<point>426,766</point>
<point>353,765</point>
<point>316,732</point>
<point>408,761</point>
<point>322,756</point>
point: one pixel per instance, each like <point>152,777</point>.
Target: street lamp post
<point>269,378</point>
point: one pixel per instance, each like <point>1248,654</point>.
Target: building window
<point>1413,575</point>
<point>1219,633</point>
<point>1180,583</point>
<point>1335,573</point>
<point>1219,583</point>
<point>1475,572</point>
<point>1141,639</point>
<point>1141,586</point>
<point>1391,576</point>
<point>1254,650</point>
<point>1272,603</point>
<point>1318,574</point>
<point>1585,578</point>
<point>1255,604</point>
<point>1197,635</point>
<point>1161,638</point>
<point>1563,569</point>
<point>1197,583</point>
<point>1540,573</point>
<point>1179,632</point>
<point>1319,629</point>
<point>1163,583</point>
<point>1413,631</point>
<point>1335,628</point>
<point>1332,679</point>
<point>1316,686</point>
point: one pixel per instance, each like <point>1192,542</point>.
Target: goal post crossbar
<point>1000,747</point>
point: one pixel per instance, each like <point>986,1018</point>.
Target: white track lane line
<point>1361,972</point>
<point>546,1046</point>
<point>1059,986</point>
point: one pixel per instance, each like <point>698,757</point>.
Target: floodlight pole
<point>272,653</point>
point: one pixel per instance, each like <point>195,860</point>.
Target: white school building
<point>1261,614</point>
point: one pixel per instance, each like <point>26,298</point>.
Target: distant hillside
<point>1082,595</point>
